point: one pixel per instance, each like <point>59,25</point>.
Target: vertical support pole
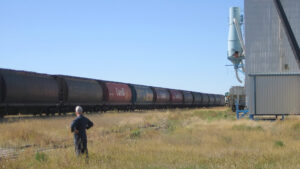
<point>237,109</point>
<point>251,117</point>
<point>254,97</point>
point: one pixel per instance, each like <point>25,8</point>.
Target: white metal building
<point>272,69</point>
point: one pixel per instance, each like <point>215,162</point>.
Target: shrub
<point>135,133</point>
<point>40,156</point>
<point>278,143</point>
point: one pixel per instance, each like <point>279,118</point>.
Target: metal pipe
<point>237,76</point>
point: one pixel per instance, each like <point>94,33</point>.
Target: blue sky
<point>179,44</point>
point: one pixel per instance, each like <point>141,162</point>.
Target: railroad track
<point>13,152</point>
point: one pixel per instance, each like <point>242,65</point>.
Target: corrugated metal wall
<point>277,94</point>
<point>268,52</point>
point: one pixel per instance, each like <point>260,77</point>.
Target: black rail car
<point>222,103</point>
<point>205,99</point>
<point>212,100</point>
<point>161,97</point>
<point>188,98</point>
<point>218,100</point>
<point>222,100</point>
<point>142,96</point>
<point>80,91</point>
<point>176,98</point>
<point>28,92</point>
<point>197,99</point>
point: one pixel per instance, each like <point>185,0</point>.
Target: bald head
<point>78,110</point>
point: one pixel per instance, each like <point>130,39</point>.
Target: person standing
<point>79,127</point>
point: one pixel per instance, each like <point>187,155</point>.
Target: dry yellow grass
<point>182,138</point>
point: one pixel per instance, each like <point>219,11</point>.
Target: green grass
<point>180,139</point>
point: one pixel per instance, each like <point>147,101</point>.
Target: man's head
<point>78,110</point>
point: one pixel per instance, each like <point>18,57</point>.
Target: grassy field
<point>182,138</point>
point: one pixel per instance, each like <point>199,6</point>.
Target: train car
<point>161,97</point>
<point>205,99</point>
<point>23,92</point>
<point>197,99</point>
<point>116,95</point>
<point>176,97</point>
<point>218,100</point>
<point>142,96</point>
<point>212,100</point>
<point>187,98</point>
<point>81,91</point>
<point>222,103</point>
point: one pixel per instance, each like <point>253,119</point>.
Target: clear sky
<point>179,44</point>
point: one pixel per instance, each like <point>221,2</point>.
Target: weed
<point>40,156</point>
<point>136,133</point>
<point>278,143</point>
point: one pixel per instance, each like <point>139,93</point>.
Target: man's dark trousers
<point>80,146</point>
<point>79,126</point>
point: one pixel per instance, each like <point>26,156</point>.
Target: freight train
<point>23,92</point>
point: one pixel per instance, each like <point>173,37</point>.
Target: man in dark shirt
<point>78,127</point>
